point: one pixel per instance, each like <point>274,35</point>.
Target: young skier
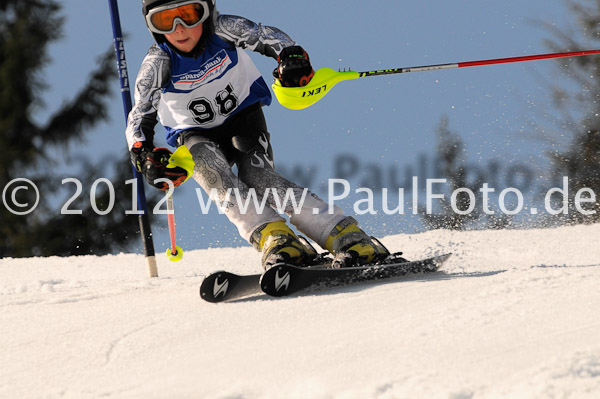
<point>198,80</point>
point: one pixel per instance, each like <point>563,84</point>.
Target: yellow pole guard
<point>303,97</point>
<point>182,158</point>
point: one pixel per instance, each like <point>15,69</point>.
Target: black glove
<point>294,68</point>
<point>152,163</point>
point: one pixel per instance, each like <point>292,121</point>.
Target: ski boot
<point>353,247</point>
<point>279,244</point>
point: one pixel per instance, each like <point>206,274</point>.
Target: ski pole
<point>325,78</point>
<point>181,158</point>
<point>174,253</point>
<point>144,220</point>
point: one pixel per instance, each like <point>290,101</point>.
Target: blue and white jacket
<point>187,93</point>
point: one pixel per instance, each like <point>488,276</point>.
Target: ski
<point>224,286</point>
<point>283,279</point>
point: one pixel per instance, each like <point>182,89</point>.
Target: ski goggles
<point>164,19</point>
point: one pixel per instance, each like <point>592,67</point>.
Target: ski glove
<point>294,68</point>
<point>152,163</point>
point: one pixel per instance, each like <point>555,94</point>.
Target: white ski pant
<point>256,183</point>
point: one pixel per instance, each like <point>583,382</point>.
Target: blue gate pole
<point>143,217</point>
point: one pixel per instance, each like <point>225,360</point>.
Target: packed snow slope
<point>513,314</point>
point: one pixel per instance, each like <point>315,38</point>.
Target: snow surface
<point>514,314</point>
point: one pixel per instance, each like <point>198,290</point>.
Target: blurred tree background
<point>572,128</point>
<point>32,150</point>
<point>577,102</point>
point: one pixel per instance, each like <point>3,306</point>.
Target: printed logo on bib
<point>210,70</point>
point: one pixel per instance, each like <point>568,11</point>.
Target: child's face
<point>185,39</point>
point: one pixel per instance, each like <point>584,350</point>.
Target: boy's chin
<point>185,46</point>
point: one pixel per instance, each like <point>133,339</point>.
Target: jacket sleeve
<point>242,32</point>
<point>154,73</point>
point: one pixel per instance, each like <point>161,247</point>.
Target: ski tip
<point>444,257</point>
<point>438,260</point>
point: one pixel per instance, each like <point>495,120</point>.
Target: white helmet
<point>208,24</point>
